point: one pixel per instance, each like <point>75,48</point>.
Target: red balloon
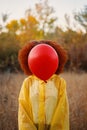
<point>43,61</point>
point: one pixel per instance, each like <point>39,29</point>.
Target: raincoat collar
<point>42,81</point>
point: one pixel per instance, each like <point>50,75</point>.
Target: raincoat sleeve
<point>61,117</point>
<point>25,120</point>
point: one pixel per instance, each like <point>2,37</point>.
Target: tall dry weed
<point>77,95</point>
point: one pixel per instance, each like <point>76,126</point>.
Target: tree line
<point>40,23</point>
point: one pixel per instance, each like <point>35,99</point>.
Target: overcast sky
<point>17,8</point>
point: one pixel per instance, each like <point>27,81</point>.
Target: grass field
<point>77,94</point>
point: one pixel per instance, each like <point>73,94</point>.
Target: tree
<point>68,22</point>
<point>13,26</point>
<point>45,16</point>
<point>5,17</point>
<point>9,47</point>
<point>39,23</point>
<point>28,29</point>
<point>81,17</point>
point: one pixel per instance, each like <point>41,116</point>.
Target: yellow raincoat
<point>43,105</point>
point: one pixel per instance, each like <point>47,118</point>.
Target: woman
<point>43,104</point>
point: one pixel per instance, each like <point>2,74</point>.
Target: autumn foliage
<point>38,24</point>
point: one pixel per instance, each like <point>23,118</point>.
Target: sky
<point>17,8</point>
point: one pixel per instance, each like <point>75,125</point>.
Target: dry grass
<point>77,94</point>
